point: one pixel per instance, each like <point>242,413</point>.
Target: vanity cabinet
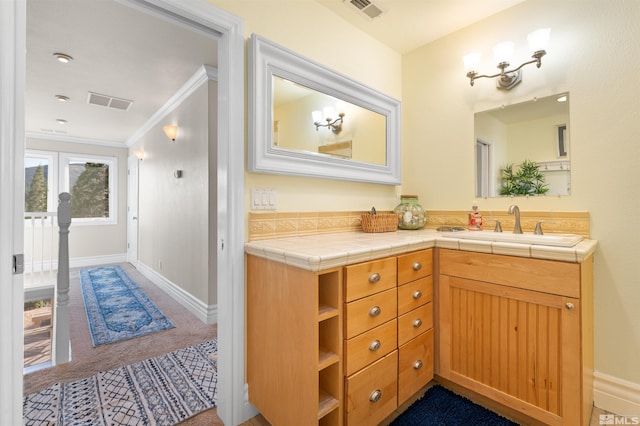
<point>518,331</point>
<point>344,345</point>
<point>294,343</point>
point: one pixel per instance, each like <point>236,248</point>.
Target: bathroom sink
<point>556,240</point>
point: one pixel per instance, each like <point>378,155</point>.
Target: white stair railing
<point>40,249</point>
<point>60,352</point>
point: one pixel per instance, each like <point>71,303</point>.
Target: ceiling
<point>408,24</point>
<point>117,51</point>
<point>122,52</point>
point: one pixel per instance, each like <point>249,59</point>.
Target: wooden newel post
<point>60,352</point>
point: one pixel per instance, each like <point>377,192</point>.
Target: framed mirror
<point>308,120</point>
<point>509,138</point>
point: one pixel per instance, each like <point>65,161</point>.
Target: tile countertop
<point>320,252</point>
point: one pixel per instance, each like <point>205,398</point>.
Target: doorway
<point>233,408</point>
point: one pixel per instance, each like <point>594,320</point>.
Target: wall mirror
<point>308,120</point>
<point>535,131</point>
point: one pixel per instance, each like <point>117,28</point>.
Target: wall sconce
<point>171,132</point>
<point>327,115</point>
<point>503,54</point>
<point>139,154</point>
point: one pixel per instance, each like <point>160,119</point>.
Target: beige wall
<point>174,220</point>
<point>310,29</point>
<point>87,241</point>
<point>592,44</point>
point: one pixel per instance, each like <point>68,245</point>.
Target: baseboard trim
<point>82,262</point>
<point>206,313</point>
<point>615,395</point>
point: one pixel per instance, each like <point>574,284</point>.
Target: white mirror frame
<point>267,59</point>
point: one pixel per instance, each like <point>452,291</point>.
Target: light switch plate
<point>263,199</point>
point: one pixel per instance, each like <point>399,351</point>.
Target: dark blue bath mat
<point>441,407</point>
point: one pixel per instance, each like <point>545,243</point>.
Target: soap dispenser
<point>474,218</point>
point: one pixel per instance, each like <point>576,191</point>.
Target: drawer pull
<point>417,294</point>
<point>374,278</point>
<point>417,365</point>
<point>375,311</point>
<point>375,395</point>
<point>417,266</point>
<point>569,306</point>
<point>417,323</point>
<point>375,345</point>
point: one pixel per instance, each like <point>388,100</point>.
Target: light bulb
<point>539,39</point>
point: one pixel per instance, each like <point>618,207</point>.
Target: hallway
<point>87,360</point>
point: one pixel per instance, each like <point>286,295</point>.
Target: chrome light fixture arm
<point>509,78</point>
<point>334,125</point>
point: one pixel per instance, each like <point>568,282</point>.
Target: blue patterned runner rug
<point>117,309</point>
<point>164,390</point>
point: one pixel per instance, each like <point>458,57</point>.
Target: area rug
<point>164,390</point>
<point>440,406</point>
<point>117,309</point>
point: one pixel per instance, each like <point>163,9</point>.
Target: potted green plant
<point>524,179</point>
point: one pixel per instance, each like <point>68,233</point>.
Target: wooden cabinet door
<point>518,347</point>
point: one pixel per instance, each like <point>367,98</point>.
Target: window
<point>40,189</point>
<point>90,179</point>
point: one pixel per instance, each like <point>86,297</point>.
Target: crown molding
<point>74,139</point>
<point>201,76</point>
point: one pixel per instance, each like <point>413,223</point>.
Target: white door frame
<point>12,77</point>
<point>233,406</point>
<point>132,209</point>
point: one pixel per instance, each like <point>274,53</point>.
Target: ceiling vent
<point>368,8</point>
<point>108,101</point>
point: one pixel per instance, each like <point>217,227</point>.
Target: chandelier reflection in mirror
<point>503,53</point>
<point>327,114</point>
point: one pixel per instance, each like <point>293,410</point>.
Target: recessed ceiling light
<point>63,57</point>
<point>61,121</point>
<point>62,98</point>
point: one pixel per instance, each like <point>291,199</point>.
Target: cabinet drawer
<point>414,323</point>
<point>415,265</point>
<point>368,347</point>
<point>372,392</point>
<point>367,278</point>
<point>415,365</point>
<point>547,276</point>
<point>414,294</point>
<point>369,312</point>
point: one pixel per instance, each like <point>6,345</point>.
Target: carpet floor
<point>441,407</point>
<point>88,360</point>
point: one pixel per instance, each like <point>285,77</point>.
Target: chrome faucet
<point>513,209</point>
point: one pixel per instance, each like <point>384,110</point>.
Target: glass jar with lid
<point>410,213</point>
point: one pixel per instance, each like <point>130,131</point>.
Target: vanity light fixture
<point>503,54</point>
<point>327,115</point>
<point>171,132</point>
<point>63,57</point>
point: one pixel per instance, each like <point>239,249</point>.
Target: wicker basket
<point>381,222</point>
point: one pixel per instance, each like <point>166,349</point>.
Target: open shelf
<point>327,358</point>
<point>326,404</point>
<point>326,312</point>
